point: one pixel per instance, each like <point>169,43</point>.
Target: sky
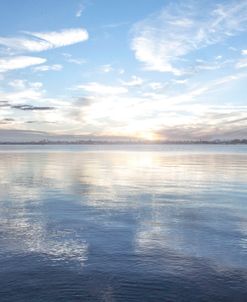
<point>141,69</point>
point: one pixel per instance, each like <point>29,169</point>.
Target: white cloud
<point>161,40</point>
<point>101,89</point>
<point>18,62</point>
<point>244,52</point>
<point>36,85</point>
<point>115,110</point>
<point>155,85</point>
<point>115,25</point>
<point>40,41</point>
<point>55,67</point>
<point>121,71</point>
<point>106,68</point>
<point>27,95</point>
<point>126,114</point>
<point>242,63</point>
<point>145,52</point>
<point>64,37</point>
<point>135,81</point>
<point>76,61</point>
<point>23,84</point>
<point>22,95</point>
<point>18,84</point>
<point>80,11</point>
<point>70,59</point>
<point>232,48</point>
<point>184,81</point>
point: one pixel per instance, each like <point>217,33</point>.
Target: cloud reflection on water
<point>191,204</point>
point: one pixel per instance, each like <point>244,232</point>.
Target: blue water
<point>123,223</point>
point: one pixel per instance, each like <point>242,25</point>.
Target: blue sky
<point>140,69</point>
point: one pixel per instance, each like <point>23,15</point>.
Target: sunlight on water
<point>161,223</point>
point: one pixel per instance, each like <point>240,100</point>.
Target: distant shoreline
<point>201,142</point>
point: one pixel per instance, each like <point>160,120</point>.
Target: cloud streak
<point>31,108</point>
<point>41,41</point>
<point>135,81</point>
<point>54,67</point>
<point>19,62</point>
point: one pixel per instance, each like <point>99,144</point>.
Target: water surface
<point>123,223</point>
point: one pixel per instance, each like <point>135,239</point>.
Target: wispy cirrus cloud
<point>41,41</point>
<point>54,67</point>
<point>19,62</point>
<point>135,81</point>
<point>69,58</point>
<point>115,25</point>
<point>164,38</point>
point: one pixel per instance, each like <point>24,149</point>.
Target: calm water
<point>123,223</point>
